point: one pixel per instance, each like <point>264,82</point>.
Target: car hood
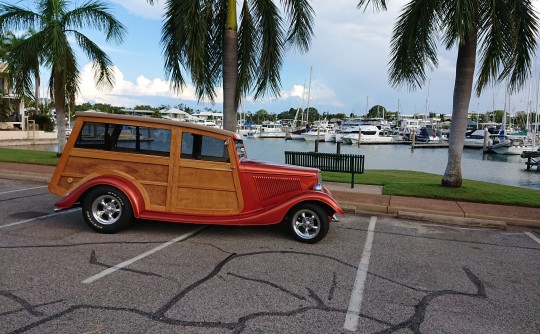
<point>255,166</point>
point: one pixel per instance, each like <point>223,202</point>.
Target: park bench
<point>329,162</point>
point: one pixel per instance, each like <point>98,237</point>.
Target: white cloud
<point>127,93</point>
<point>142,8</point>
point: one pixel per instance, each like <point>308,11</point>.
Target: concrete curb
<point>14,175</point>
<point>436,217</point>
<point>452,220</point>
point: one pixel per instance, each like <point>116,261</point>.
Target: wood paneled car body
<point>119,167</point>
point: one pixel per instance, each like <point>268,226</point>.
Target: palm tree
<point>203,38</point>
<point>502,32</point>
<point>53,24</point>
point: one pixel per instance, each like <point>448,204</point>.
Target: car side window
<point>201,147</point>
<point>124,138</point>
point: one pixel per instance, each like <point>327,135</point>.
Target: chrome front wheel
<point>308,223</point>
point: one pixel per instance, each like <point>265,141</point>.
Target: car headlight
<point>318,186</point>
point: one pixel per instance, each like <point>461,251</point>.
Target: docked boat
<point>514,146</point>
<point>321,132</point>
<point>297,134</point>
<point>369,134</point>
<point>476,139</point>
<point>270,130</point>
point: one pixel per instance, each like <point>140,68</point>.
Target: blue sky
<point>348,56</point>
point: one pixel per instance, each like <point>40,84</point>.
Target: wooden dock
<point>429,145</point>
<point>532,159</point>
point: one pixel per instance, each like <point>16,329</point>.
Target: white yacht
<point>366,134</point>
<point>321,131</point>
<point>270,130</point>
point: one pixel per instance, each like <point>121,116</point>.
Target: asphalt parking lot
<point>371,274</point>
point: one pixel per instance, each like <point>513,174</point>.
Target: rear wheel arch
<point>131,191</point>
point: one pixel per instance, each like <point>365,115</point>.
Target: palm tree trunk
<point>59,105</point>
<point>36,94</point>
<point>230,68</point>
<point>230,79</point>
<point>462,96</point>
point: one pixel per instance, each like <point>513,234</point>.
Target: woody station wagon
<point>119,168</point>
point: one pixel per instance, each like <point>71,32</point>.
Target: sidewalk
<point>369,199</point>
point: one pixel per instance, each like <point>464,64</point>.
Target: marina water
<point>475,165</point>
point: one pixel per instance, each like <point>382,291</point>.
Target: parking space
<point>59,276</point>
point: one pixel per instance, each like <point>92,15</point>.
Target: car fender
<point>127,187</point>
<point>275,214</point>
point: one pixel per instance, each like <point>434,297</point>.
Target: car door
<point>206,176</point>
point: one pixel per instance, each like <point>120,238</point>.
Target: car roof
<point>152,120</point>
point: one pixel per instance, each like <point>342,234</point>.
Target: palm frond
<point>101,63</point>
<point>460,19</point>
<point>269,23</point>
<point>414,43</point>
<point>494,26</point>
<point>248,44</point>
<point>14,18</point>
<point>378,5</point>
<point>522,43</point>
<point>185,36</point>
<point>301,16</point>
<point>95,15</point>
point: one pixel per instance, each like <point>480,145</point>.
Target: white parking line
<point>38,218</point>
<point>142,256</point>
<point>532,236</point>
<point>357,294</point>
<point>14,191</point>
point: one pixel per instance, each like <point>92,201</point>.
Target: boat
<point>366,134</point>
<point>514,146</point>
<point>321,131</point>
<point>297,134</point>
<point>270,130</point>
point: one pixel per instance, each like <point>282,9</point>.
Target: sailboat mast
<point>308,95</point>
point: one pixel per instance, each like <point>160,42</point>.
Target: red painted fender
<point>133,194</point>
<point>275,214</point>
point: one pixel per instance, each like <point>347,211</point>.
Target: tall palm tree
<point>502,32</point>
<point>203,38</point>
<point>54,24</point>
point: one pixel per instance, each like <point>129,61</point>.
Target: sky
<point>348,61</point>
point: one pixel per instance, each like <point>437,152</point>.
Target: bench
<point>329,162</point>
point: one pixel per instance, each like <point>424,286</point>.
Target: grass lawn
<point>28,157</point>
<point>418,184</point>
<point>395,182</point>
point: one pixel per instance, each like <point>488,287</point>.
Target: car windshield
<point>240,149</point>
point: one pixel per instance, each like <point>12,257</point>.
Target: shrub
<point>44,121</point>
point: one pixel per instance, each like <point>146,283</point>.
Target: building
<point>12,114</point>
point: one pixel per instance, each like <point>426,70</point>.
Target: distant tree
<point>83,107</point>
<point>156,113</point>
<point>104,107</point>
<point>377,111</point>
<point>313,114</point>
<point>499,114</point>
<point>262,115</point>
<point>144,107</point>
